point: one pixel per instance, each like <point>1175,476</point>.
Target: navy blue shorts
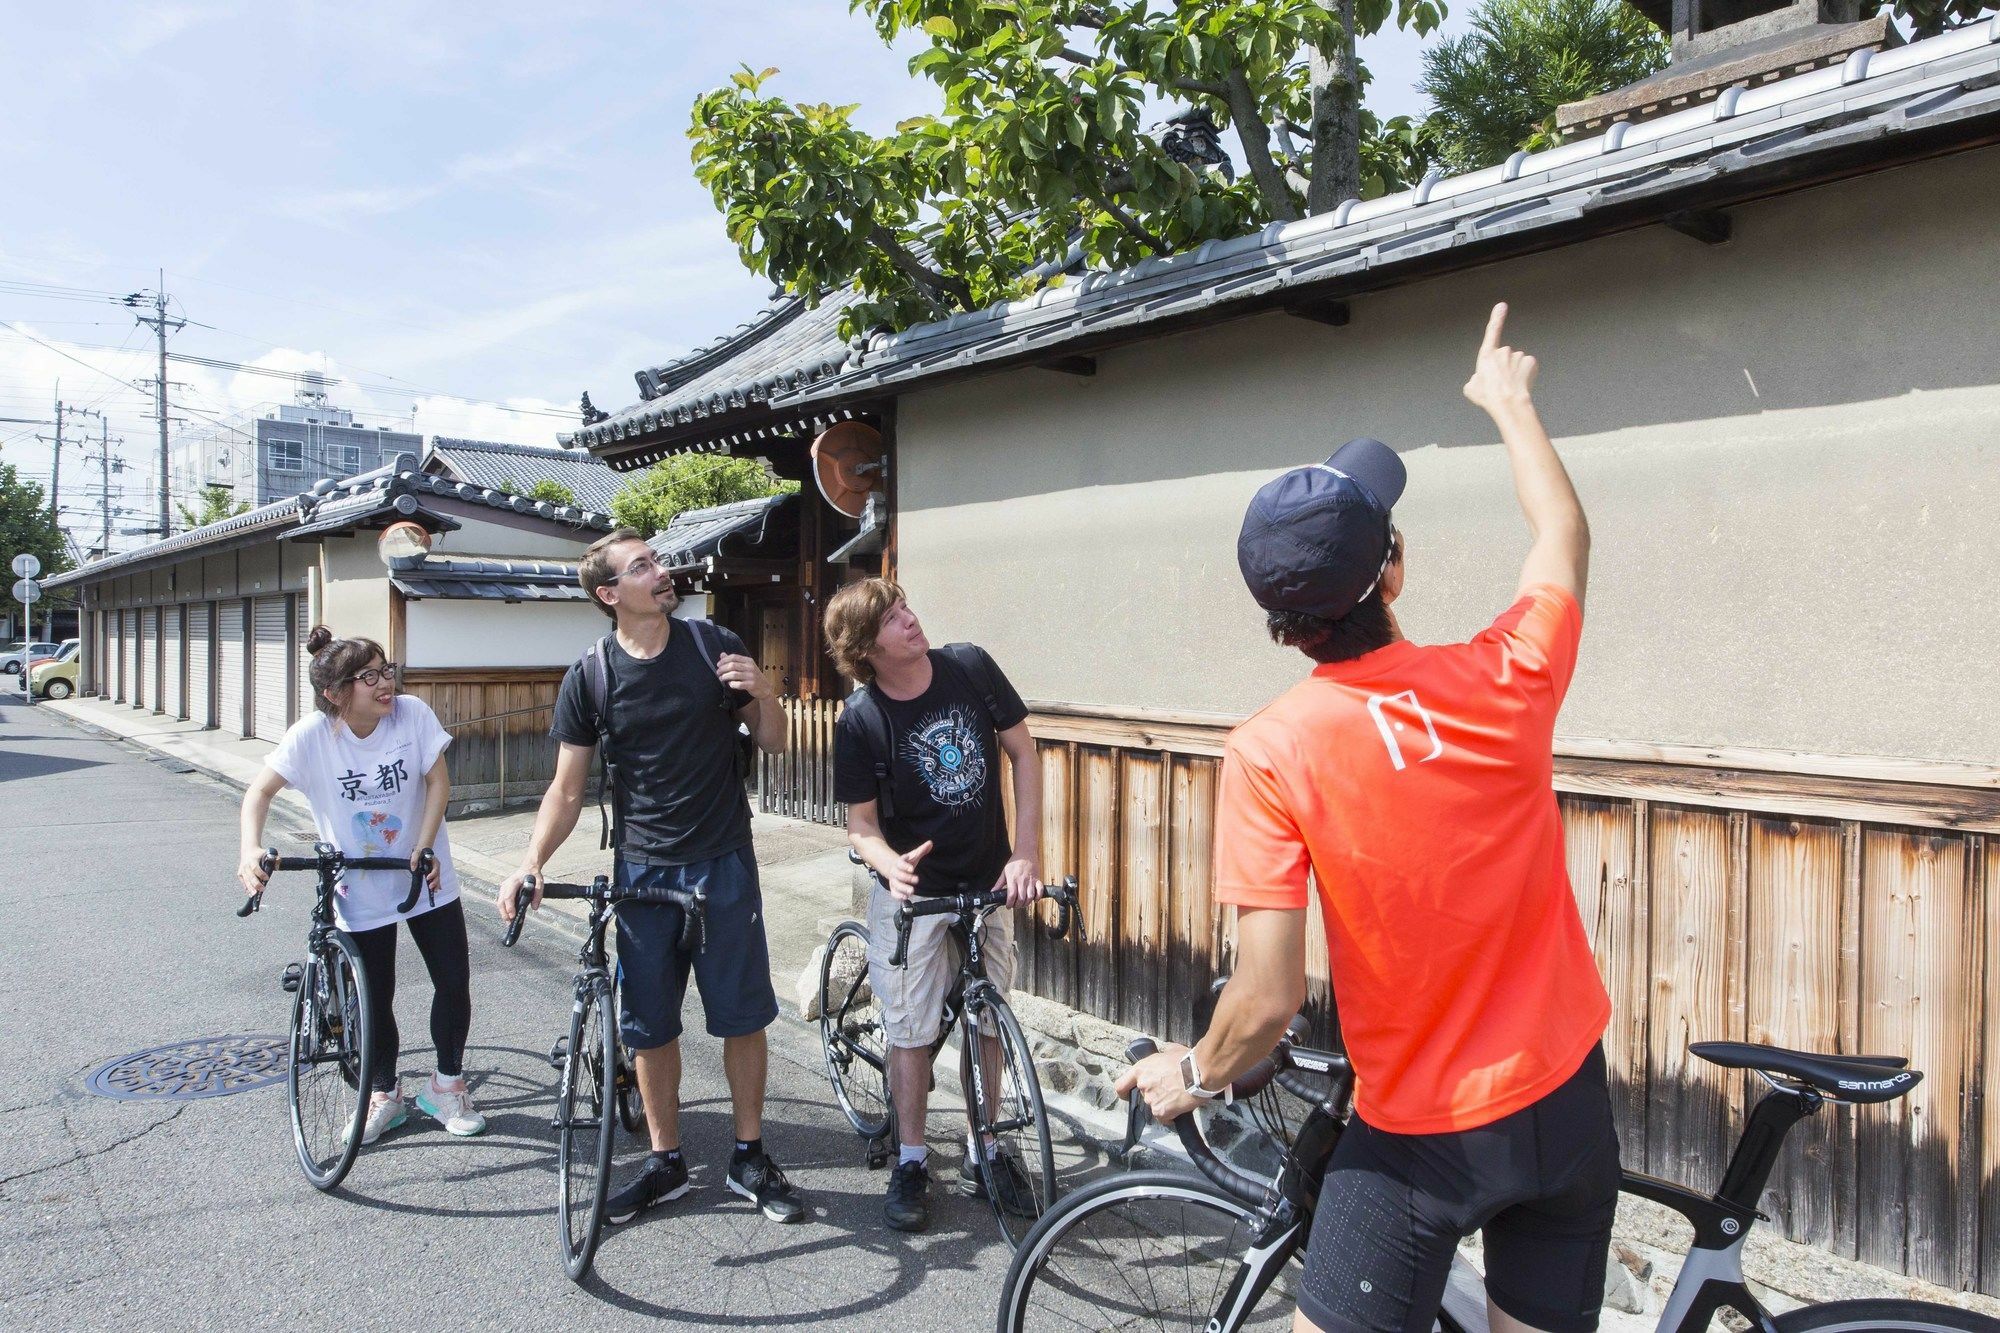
<point>733,972</point>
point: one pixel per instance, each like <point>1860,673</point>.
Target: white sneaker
<point>452,1109</point>
<point>385,1112</point>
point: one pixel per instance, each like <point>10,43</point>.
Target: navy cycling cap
<point>1317,538</point>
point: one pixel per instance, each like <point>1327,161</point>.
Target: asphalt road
<point>117,935</point>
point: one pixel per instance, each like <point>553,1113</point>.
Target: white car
<point>12,660</point>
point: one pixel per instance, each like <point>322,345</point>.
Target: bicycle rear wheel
<point>585,1110</point>
<point>1884,1316</point>
<point>1003,1101</point>
<point>851,1033</point>
<point>1149,1249</point>
<point>330,1061</point>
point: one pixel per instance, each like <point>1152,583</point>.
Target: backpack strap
<point>874,723</point>
<point>596,667</point>
<point>972,663</point>
<point>708,641</point>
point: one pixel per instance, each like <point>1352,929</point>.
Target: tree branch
<point>1128,222</point>
<point>941,287</point>
<point>1255,135</point>
<point>1198,86</point>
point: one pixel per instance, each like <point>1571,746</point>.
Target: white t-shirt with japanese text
<point>367,798</point>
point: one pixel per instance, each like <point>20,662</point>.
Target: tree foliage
<point>27,526</point>
<point>1039,153</point>
<point>550,491</point>
<point>216,504</point>
<point>1496,87</point>
<point>1929,18</point>
<point>650,500</point>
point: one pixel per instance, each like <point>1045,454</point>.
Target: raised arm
<point>1502,383</point>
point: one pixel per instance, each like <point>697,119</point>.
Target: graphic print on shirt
<point>377,831</point>
<point>944,749</point>
<point>1394,728</point>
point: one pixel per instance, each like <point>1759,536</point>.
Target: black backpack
<point>874,721</point>
<point>596,669</point>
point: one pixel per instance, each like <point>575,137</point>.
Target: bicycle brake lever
<point>903,923</point>
<point>251,903</point>
<point>522,897</point>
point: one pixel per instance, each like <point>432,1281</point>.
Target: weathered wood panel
<point>1611,897</point>
<point>1686,1115</point>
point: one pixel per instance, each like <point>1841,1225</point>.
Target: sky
<point>442,201</point>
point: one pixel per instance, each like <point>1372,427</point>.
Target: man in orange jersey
<point>1412,784</point>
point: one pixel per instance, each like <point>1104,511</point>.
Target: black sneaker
<point>1015,1192</point>
<point>759,1180</point>
<point>657,1182</point>
<point>908,1207</point>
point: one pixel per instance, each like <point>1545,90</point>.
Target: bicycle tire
<point>1049,1287</point>
<point>1020,1124</point>
<point>1888,1316</point>
<point>631,1102</point>
<point>585,1104</point>
<point>330,1061</point>
<point>853,1041</point>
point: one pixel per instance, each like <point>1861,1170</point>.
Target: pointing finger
<point>1493,326</point>
<point>916,854</point>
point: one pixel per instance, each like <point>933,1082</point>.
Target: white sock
<point>909,1154</point>
<point>443,1084</point>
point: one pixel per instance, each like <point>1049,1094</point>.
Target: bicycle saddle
<point>1847,1078</point>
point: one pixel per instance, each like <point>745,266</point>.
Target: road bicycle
<point>596,1086</point>
<point>1003,1096</point>
<point>330,1050</point>
<point>1222,1251</point>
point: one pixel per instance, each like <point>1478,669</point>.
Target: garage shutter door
<point>229,667</point>
<point>173,693</point>
<point>302,703</point>
<point>271,690</point>
<point>201,653</point>
<point>118,656</point>
<point>130,661</point>
<point>100,654</point>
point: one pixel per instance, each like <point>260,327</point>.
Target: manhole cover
<point>190,1070</point>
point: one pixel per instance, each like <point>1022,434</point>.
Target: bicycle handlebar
<point>1252,1191</point>
<point>326,858</point>
<point>693,904</point>
<point>1062,894</point>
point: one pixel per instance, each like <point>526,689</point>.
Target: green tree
<point>1496,87</point>
<point>1040,145</point>
<point>1928,18</point>
<point>217,503</point>
<point>27,527</point>
<point>650,500</point>
<point>554,492</point>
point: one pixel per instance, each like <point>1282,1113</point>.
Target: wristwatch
<point>1191,1083</point>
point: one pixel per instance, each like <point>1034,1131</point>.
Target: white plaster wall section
<point>442,633</point>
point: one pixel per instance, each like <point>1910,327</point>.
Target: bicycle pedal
<point>293,975</point>
<point>559,1053</point>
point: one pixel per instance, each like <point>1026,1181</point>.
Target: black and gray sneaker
<point>908,1207</point>
<point>1015,1192</point>
<point>658,1181</point>
<point>759,1180</point>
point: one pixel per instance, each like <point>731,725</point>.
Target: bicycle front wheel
<point>1010,1125</point>
<point>1149,1249</point>
<point>1884,1316</point>
<point>851,1033</point>
<point>330,1061</point>
<point>585,1120</point>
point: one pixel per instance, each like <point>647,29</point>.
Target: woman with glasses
<point>370,762</point>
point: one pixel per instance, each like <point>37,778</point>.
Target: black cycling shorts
<point>1542,1184</point>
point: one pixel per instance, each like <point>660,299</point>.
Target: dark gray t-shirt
<point>673,744</point>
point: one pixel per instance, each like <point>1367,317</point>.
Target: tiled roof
<point>332,506</point>
<point>489,463</point>
<point>696,534</point>
<point>459,579</point>
<point>1876,108</point>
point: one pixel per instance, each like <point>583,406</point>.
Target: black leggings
<point>440,937</point>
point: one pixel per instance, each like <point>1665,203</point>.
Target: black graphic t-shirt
<point>673,741</point>
<point>944,775</point>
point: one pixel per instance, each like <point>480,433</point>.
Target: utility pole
<point>157,299</point>
<point>55,471</point>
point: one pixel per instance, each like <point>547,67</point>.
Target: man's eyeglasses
<point>374,676</point>
<point>643,565</point>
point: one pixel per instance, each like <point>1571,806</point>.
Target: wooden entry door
<point>774,646</point>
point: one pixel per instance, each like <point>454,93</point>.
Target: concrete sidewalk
<point>806,877</point>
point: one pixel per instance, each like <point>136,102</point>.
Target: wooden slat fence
<point>499,722</point>
<point>799,782</point>
<point>1834,908</point>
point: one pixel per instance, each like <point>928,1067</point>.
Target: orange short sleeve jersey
<point>1415,785</point>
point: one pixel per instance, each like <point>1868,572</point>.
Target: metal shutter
<point>303,704</point>
<point>173,677</point>
<point>200,664</point>
<point>229,666</point>
<point>118,651</point>
<point>130,694</point>
<point>271,687</point>
<point>147,695</point>
<point>100,654</point>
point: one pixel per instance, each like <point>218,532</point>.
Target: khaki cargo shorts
<point>912,996</point>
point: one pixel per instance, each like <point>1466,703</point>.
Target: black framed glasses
<point>374,676</point>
